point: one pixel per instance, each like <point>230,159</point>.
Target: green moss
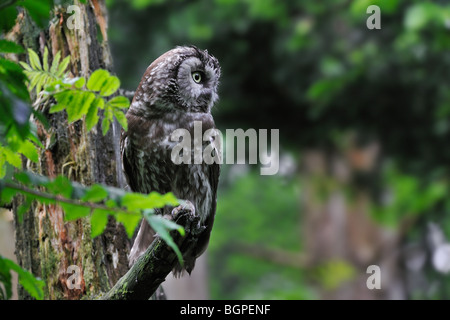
<point>50,261</point>
<point>30,32</point>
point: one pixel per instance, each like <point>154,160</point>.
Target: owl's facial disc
<point>197,85</point>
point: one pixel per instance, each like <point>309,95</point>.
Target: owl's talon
<point>199,229</point>
<point>185,205</point>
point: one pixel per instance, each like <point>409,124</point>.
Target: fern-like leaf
<point>45,59</point>
<point>79,97</point>
<point>55,63</point>
<point>43,75</point>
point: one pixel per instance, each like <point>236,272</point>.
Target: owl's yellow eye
<point>197,76</point>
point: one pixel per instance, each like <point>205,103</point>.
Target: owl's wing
<point>126,166</point>
<point>214,172</point>
<point>137,127</point>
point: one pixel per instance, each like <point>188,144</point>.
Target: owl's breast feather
<point>148,152</point>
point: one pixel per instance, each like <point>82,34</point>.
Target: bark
<point>46,244</point>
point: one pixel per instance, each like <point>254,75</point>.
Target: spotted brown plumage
<point>178,88</point>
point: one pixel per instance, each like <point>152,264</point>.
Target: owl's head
<point>184,78</point>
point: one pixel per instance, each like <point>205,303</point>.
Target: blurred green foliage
<point>317,65</point>
<point>249,207</point>
<point>261,211</point>
<point>408,196</point>
<point>313,70</point>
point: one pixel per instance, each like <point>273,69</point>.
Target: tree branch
<point>60,199</point>
<point>152,268</point>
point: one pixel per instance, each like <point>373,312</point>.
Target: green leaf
<point>160,200</point>
<point>10,47</point>
<point>11,157</point>
<point>95,194</point>
<point>136,201</point>
<point>24,178</point>
<point>60,186</point>
<point>45,59</point>
<point>92,114</point>
<point>80,83</point>
<point>109,113</point>
<point>119,102</point>
<point>6,195</point>
<point>3,167</point>
<point>74,212</point>
<point>64,100</point>
<point>33,285</point>
<point>34,60</point>
<point>97,79</point>
<point>34,78</point>
<point>130,221</point>
<point>110,203</point>
<point>26,66</point>
<point>55,63</point>
<point>161,227</point>
<point>170,225</point>
<point>87,99</point>
<point>110,86</point>
<point>121,118</point>
<point>28,149</point>
<point>41,80</point>
<point>105,125</point>
<point>5,279</point>
<point>419,15</point>
<point>57,107</point>
<point>99,220</point>
<point>63,66</point>
<point>79,104</point>
<point>100,102</point>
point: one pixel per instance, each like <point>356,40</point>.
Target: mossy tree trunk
<point>46,244</point>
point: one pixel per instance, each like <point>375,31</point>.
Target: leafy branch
<point>96,202</point>
<point>80,98</point>
<point>33,285</point>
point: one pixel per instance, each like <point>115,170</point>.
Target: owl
<point>177,89</point>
